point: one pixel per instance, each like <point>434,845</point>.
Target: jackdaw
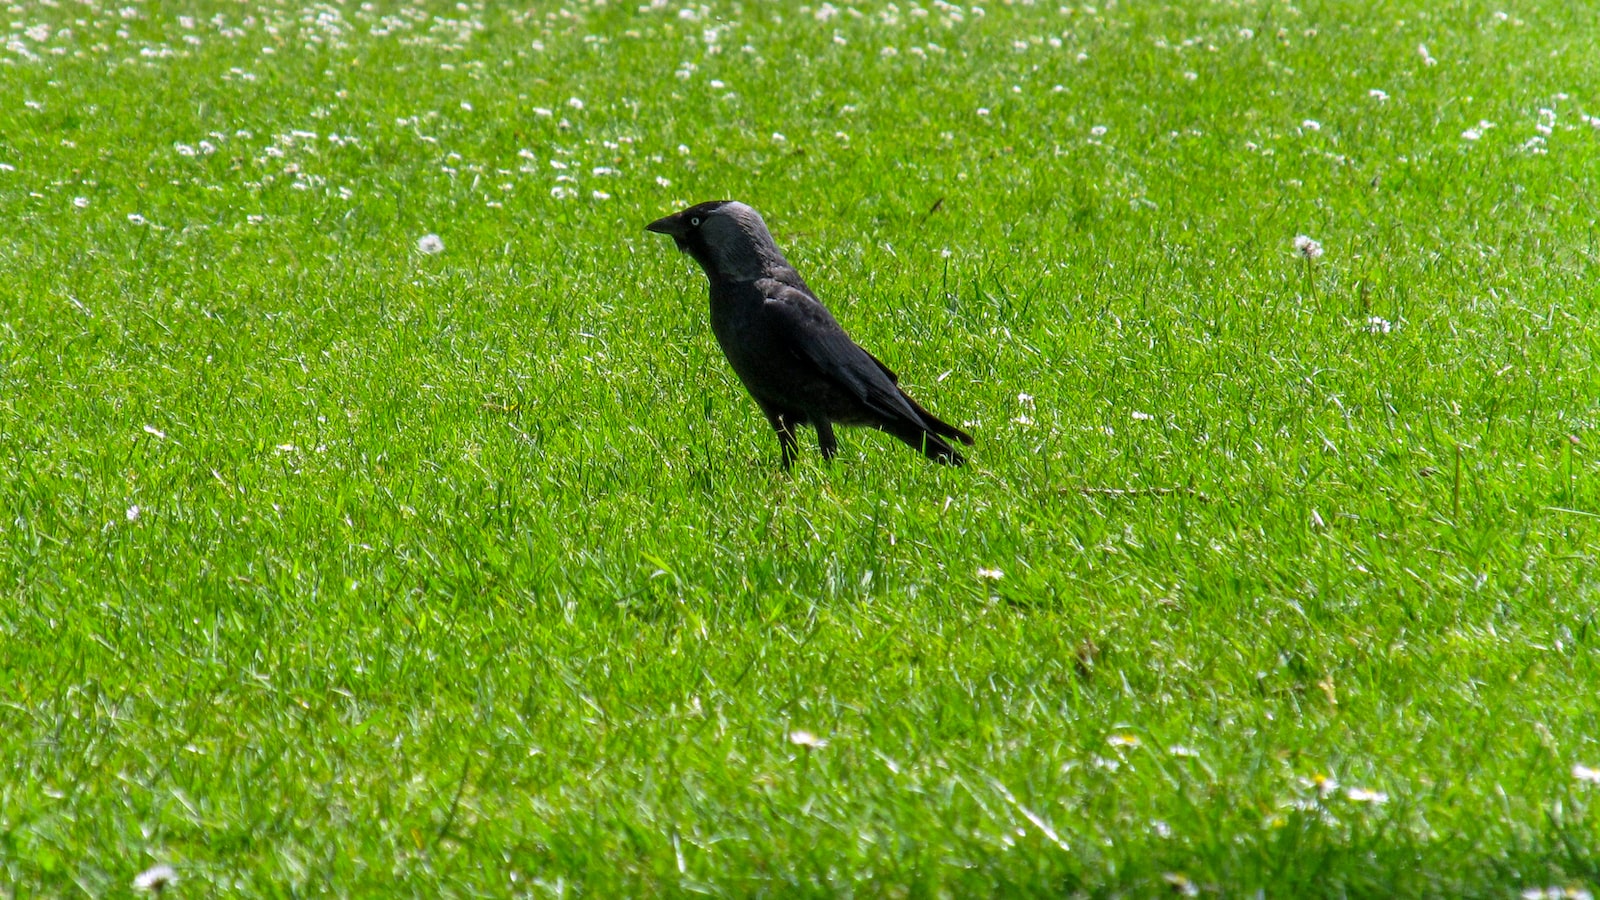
<point>786,347</point>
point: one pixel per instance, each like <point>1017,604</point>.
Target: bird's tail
<point>937,425</point>
<point>925,442</point>
<point>927,434</point>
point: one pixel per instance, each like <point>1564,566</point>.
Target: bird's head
<point>727,238</point>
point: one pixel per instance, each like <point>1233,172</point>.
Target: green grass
<point>330,567</point>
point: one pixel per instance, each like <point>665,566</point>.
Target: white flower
<point>1379,325</point>
<point>1098,131</point>
<point>1123,740</point>
<point>430,244</point>
<point>80,202</point>
<point>135,218</point>
<point>542,113</point>
<point>1378,95</point>
<point>575,103</point>
<point>990,574</point>
<point>255,218</point>
<point>1311,125</point>
<point>1140,416</point>
<point>1557,893</point>
<point>1365,795</point>
<point>600,195</point>
<point>778,138</point>
<point>1307,247</point>
<point>152,430</point>
<point>1324,785</point>
<point>1180,883</point>
<point>1584,773</point>
<point>156,879</point>
<point>133,513</point>
<point>1427,58</point>
<point>1471,134</point>
<point>983,111</point>
<point>807,740</point>
<point>1025,399</point>
<point>662,181</point>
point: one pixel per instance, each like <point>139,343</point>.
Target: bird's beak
<point>672,225</point>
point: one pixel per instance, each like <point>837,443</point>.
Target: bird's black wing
<point>814,335</point>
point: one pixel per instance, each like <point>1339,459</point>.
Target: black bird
<point>786,347</point>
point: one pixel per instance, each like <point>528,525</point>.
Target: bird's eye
<point>695,221</point>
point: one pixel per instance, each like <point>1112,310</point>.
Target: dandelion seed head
<point>1307,247</point>
<point>155,879</point>
<point>430,244</point>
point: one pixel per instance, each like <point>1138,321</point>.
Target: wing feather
<point>814,335</point>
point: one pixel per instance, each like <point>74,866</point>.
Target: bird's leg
<point>784,423</point>
<point>825,438</point>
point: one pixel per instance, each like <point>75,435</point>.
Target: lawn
<point>379,517</point>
